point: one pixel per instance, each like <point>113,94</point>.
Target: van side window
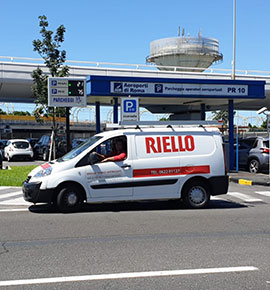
<point>84,161</point>
<point>114,149</point>
<point>107,148</point>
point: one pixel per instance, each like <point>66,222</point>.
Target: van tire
<point>196,194</point>
<point>69,199</point>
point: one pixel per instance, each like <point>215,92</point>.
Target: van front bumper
<point>33,193</point>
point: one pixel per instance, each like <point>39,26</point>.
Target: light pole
<point>267,113</point>
<point>234,39</point>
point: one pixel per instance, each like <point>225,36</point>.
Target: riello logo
<point>167,144</point>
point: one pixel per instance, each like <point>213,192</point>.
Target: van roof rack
<point>169,124</point>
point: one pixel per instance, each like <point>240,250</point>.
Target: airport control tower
<point>189,53</point>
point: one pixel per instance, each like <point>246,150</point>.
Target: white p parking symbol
<point>129,109</point>
<point>130,106</point>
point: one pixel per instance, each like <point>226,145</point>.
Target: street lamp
<point>267,113</point>
<point>234,39</point>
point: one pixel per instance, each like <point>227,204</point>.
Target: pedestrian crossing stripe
<point>13,198</point>
<point>244,197</point>
<point>10,195</point>
<point>264,193</point>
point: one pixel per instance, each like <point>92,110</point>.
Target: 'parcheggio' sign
<point>66,92</point>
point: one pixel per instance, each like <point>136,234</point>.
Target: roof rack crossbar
<point>168,124</point>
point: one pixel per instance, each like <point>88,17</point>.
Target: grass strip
<point>15,176</point>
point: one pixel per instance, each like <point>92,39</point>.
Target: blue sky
<point>121,31</point>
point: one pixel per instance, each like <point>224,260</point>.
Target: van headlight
<point>44,172</point>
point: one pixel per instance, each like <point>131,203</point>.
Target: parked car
<point>77,142</point>
<point>42,148</point>
<point>1,159</point>
<point>18,148</point>
<point>254,154</point>
<point>33,141</point>
<point>3,144</point>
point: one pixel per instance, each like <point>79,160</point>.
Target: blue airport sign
<point>174,88</point>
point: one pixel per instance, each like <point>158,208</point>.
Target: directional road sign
<point>66,92</point>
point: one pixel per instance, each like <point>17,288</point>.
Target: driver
<point>118,153</point>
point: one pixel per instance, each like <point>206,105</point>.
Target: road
<point>149,245</point>
<point>22,163</point>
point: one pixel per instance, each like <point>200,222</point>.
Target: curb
<point>248,182</point>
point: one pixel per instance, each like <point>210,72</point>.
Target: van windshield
<point>78,150</point>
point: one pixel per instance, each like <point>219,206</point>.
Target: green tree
<point>48,47</point>
<point>21,113</point>
<point>222,115</point>
<point>264,124</point>
<point>2,112</point>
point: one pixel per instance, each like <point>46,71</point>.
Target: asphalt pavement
<point>157,245</point>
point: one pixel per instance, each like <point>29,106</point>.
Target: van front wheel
<point>196,194</point>
<point>69,199</point>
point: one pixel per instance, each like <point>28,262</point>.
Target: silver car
<point>254,154</point>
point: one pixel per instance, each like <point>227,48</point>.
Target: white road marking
<point>126,275</point>
<point>265,193</point>
<point>10,194</point>
<point>9,187</point>
<point>13,198</point>
<point>15,201</point>
<point>13,209</point>
<point>216,198</point>
<point>244,197</point>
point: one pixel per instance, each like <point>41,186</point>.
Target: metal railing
<point>154,68</point>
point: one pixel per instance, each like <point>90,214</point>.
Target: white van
<point>161,163</point>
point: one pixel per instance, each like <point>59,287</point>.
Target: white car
<point>18,148</point>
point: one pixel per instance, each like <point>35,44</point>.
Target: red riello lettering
<point>174,149</point>
<point>150,145</point>
<point>159,145</point>
<point>166,144</point>
<point>181,148</point>
<point>189,142</point>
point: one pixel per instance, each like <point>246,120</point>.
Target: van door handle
<point>125,166</point>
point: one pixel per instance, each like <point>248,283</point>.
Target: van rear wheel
<point>196,194</point>
<point>69,199</point>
